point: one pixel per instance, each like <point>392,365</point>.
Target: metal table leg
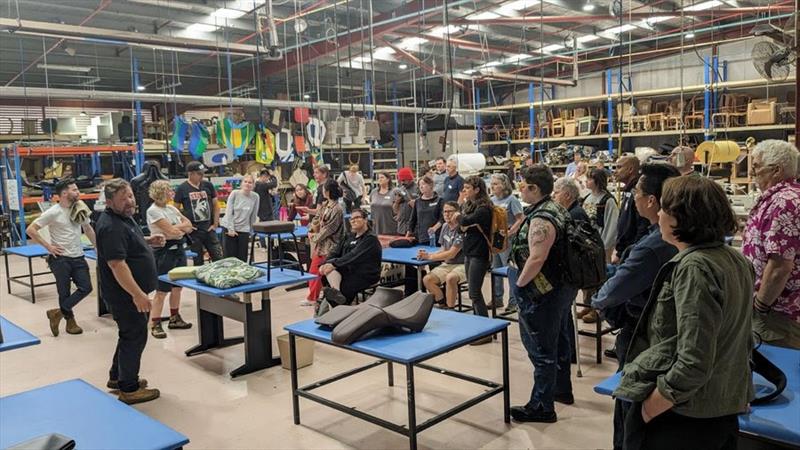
<point>506,388</point>
<point>390,370</point>
<point>30,277</point>
<point>8,274</point>
<point>412,408</point>
<point>293,368</point>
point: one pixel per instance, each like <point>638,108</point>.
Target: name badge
<point>387,198</point>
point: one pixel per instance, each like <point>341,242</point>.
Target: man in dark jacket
<point>264,185</point>
<point>622,298</point>
<point>630,226</point>
<point>356,263</point>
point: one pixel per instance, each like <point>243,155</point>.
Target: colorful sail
<point>180,128</point>
<point>198,141</point>
<point>235,136</point>
<point>265,145</point>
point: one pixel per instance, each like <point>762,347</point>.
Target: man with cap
<point>198,200</point>
<point>453,183</point>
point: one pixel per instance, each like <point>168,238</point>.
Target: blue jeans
<point>67,270</point>
<point>498,292</point>
<point>546,337</point>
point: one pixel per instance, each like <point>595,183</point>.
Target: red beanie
<point>405,174</point>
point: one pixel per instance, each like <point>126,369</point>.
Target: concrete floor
<point>200,400</point>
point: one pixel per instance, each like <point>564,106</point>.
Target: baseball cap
<point>195,166</point>
<point>405,174</point>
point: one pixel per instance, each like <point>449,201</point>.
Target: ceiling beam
<point>416,61</point>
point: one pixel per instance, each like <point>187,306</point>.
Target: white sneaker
<point>307,303</point>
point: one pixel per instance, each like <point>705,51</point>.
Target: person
<point>352,180</point>
<point>326,231</point>
<point>198,201</point>
<point>164,219</point>
<point>65,249</point>
<point>381,200</point>
<point>355,264</point>
<point>573,166</point>
<point>544,299</point>
<point>405,195</point>
<point>602,210</point>
<point>439,175</point>
<point>266,183</point>
<point>581,177</point>
<point>321,173</point>
<point>301,202</point>
<point>567,194</point>
<point>451,272</point>
<point>682,157</point>
<point>426,214</point>
<point>630,226</point>
<point>626,292</point>
<point>687,369</point>
<point>240,215</point>
<point>127,274</point>
<point>772,243</point>
<point>453,183</point>
<point>476,224</point>
<point>502,189</point>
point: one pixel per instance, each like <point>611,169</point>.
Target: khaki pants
<point>777,329</point>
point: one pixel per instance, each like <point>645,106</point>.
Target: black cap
<point>195,166</point>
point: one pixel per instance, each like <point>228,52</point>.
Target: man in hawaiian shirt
<point>772,243</point>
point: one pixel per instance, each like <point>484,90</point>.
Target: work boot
<point>72,326</point>
<point>157,331</point>
<point>114,384</point>
<point>176,323</point>
<point>590,317</point>
<point>55,316</point>
<point>139,396</point>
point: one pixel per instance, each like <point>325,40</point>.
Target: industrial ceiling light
<point>140,88</point>
<point>588,7</point>
<point>201,28</point>
<point>689,35</point>
<point>227,13</point>
<point>66,68</point>
<point>403,66</point>
<point>300,25</point>
<point>83,113</point>
<point>306,96</point>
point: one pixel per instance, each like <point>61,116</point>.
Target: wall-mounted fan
<point>773,59</point>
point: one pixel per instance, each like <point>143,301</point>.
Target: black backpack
<point>583,256</point>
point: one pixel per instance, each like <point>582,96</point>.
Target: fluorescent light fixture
<point>227,13</point>
<point>411,43</point>
<point>470,71</point>
<point>689,35</point>
<point>588,7</point>
<point>511,8</point>
<point>140,88</point>
<point>588,38</point>
<point>403,66</point>
<point>551,48</point>
<point>66,68</point>
<point>486,15</point>
<point>620,29</point>
<point>306,96</point>
<point>492,64</point>
<point>703,6</point>
<point>516,58</point>
<point>201,28</point>
<point>440,31</point>
<point>658,19</point>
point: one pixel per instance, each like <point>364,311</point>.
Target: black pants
<point>353,283</point>
<point>672,431</point>
<point>476,268</point>
<point>204,240</point>
<point>67,270</point>
<point>130,344</point>
<point>236,246</point>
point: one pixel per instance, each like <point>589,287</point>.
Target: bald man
<point>683,159</point>
<point>630,226</point>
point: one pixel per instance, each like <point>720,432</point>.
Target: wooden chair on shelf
<point>489,133</point>
<point>732,111</point>
<point>674,116</point>
<point>624,117</point>
<point>657,118</point>
<point>556,122</point>
<point>695,115</point>
<point>602,122</point>
<point>503,133</point>
<point>639,121</point>
<point>523,131</point>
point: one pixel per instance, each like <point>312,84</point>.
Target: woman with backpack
<point>601,207</point>
<point>476,223</point>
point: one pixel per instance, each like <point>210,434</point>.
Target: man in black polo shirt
<point>127,276</point>
<point>198,200</point>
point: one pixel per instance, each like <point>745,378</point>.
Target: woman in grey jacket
<point>687,373</point>
<point>241,213</point>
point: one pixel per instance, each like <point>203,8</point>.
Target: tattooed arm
<point>541,236</point>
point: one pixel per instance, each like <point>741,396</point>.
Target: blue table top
<point>15,337</point>
<point>94,419</point>
<point>28,251</point>
<point>500,271</point>
<point>780,419</point>
<point>300,232</point>
<point>407,256</point>
<point>277,278</point>
<point>444,331</point>
<point>92,254</point>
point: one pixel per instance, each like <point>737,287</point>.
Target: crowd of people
<point>685,303</point>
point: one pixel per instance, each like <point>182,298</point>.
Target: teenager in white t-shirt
<point>66,259</point>
<point>166,220</point>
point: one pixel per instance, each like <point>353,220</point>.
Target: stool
<point>276,228</point>
<point>461,307</point>
<point>599,331</point>
<point>366,292</point>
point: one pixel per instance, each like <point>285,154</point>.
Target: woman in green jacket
<point>686,373</point>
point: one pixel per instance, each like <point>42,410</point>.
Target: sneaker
<point>566,399</point>
<point>511,309</point>
<point>157,331</point>
<point>590,317</point>
<point>610,353</point>
<point>72,326</point>
<point>523,414</point>
<point>307,303</point>
<point>55,316</point>
<point>114,384</point>
<point>333,296</point>
<point>139,396</point>
<point>176,322</point>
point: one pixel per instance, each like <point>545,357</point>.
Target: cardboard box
<point>304,348</point>
<point>570,128</point>
<point>761,112</point>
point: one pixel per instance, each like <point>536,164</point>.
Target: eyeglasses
<point>352,218</point>
<point>449,211</point>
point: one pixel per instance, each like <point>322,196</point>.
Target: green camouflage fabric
<point>227,273</point>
